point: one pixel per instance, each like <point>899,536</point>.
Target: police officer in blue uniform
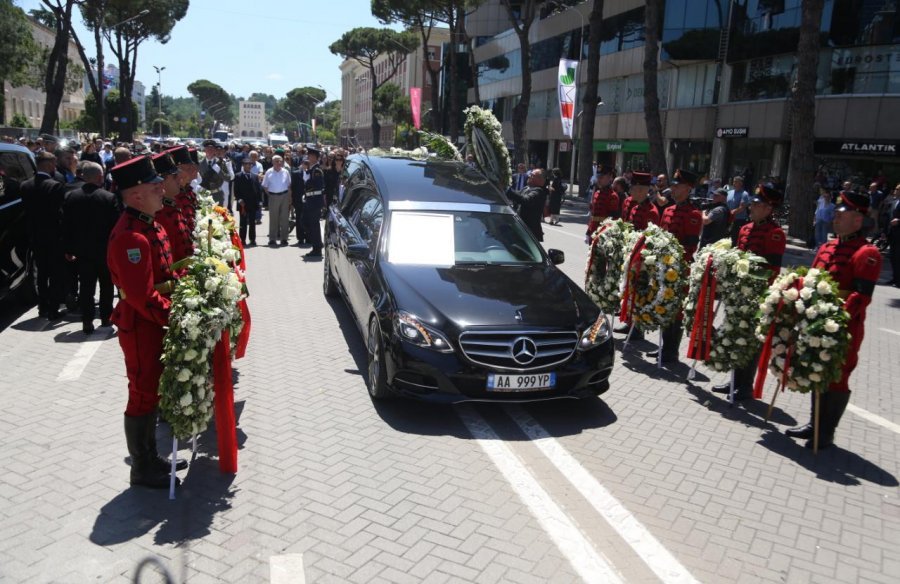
<point>313,202</point>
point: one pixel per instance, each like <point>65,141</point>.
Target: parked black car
<point>454,297</point>
<point>16,265</point>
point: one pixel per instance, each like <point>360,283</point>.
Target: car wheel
<point>329,287</point>
<point>378,387</point>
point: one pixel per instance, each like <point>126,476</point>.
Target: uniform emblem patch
<point>872,261</point>
<point>776,237</point>
<point>134,255</point>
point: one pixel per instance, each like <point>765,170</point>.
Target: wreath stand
<point>817,399</point>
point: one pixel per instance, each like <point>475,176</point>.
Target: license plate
<point>496,382</point>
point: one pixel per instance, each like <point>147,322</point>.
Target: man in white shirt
<point>277,185</point>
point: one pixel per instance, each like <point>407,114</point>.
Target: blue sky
<point>230,42</point>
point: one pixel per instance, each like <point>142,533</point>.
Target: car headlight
<point>598,334</point>
<point>412,331</point>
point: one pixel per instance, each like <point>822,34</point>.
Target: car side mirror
<point>557,256</point>
<point>358,251</point>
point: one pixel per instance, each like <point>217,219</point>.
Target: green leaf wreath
<point>741,282</point>
<point>804,322</point>
<point>603,274</point>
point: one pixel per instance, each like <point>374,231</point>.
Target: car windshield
<point>448,238</point>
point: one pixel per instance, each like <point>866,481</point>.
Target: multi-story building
<point>356,88</point>
<point>251,120</point>
<point>30,101</point>
<point>725,74</point>
<point>138,93</point>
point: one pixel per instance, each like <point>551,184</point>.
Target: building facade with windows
<point>725,73</point>
<point>251,120</point>
<point>30,101</point>
<point>356,89</point>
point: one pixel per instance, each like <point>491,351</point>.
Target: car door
<point>16,166</point>
<point>365,225</point>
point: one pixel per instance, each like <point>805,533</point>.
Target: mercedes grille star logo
<point>524,350</point>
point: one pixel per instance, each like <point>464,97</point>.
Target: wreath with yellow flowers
<point>654,279</point>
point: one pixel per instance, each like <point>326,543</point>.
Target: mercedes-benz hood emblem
<point>524,350</point>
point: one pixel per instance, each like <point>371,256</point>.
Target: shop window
<point>765,78</point>
<point>859,70</point>
<point>696,85</point>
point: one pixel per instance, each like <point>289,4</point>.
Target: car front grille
<point>513,350</point>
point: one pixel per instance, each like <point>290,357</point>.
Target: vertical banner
<point>415,104</point>
<point>566,90</point>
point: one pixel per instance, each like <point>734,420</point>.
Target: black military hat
<point>164,163</point>
<point>211,143</point>
<point>195,156</point>
<point>767,193</point>
<point>180,155</point>
<point>311,150</point>
<point>640,179</point>
<point>137,171</point>
<point>852,201</point>
<point>604,169</point>
<point>683,176</point>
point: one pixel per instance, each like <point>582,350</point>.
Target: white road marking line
<point>588,562</point>
<point>890,331</point>
<point>75,367</point>
<point>286,569</point>
<point>657,557</point>
<point>874,418</point>
<point>562,232</point>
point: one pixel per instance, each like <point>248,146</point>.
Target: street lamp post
<point>159,71</point>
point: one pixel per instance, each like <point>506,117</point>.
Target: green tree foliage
<point>19,121</point>
<point>365,45</point>
<point>328,116</point>
<point>159,127</point>
<point>391,104</point>
<point>125,39</point>
<point>298,105</point>
<point>89,119</point>
<point>18,48</point>
<point>211,94</point>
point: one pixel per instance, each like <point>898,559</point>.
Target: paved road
<point>659,481</point>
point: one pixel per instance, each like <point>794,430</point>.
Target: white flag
<point>568,70</point>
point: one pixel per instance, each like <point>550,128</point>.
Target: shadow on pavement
<point>99,334</point>
<point>135,512</point>
<point>751,412</point>
<point>834,464</point>
<point>11,311</point>
<point>355,344</point>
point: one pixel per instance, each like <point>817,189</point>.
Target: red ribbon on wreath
<point>226,425</point>
<point>594,239</point>
<point>632,269</point>
<point>701,331</point>
<point>762,367</point>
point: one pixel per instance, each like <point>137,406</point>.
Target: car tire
<point>377,382</point>
<point>329,287</point>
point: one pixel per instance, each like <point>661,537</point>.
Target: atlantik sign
<point>857,148</point>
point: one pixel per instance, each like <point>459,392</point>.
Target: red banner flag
<point>415,103</point>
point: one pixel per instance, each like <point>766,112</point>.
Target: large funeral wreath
<point>804,331</point>
<point>738,279</point>
<point>603,274</point>
<point>654,278</point>
<point>204,303</point>
<point>485,141</point>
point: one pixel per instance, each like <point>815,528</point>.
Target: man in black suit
<point>248,195</point>
<point>89,215</point>
<point>298,185</point>
<point>530,202</point>
<point>43,198</point>
<point>894,241</point>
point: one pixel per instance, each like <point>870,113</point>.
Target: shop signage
<point>848,148</point>
<point>740,132</point>
<point>621,146</point>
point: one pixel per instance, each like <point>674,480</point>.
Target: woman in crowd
<point>824,216</point>
<point>557,190</point>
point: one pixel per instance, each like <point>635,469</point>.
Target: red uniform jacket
<point>172,220</point>
<point>765,239</point>
<point>685,222</point>
<point>640,214</point>
<point>186,200</point>
<point>139,258</point>
<point>855,265</point>
<point>604,204</point>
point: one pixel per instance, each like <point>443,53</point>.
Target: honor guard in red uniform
<point>685,222</point>
<point>638,209</point>
<point>170,216</point>
<point>764,237</point>
<point>604,202</point>
<point>140,262</point>
<point>640,212</point>
<point>855,265</point>
<point>186,199</point>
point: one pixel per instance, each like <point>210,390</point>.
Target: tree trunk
<point>376,127</point>
<point>802,167</point>
<point>453,82</point>
<point>520,111</point>
<point>652,25</point>
<point>590,100</point>
<point>57,64</point>
<point>101,101</point>
<point>434,76</point>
